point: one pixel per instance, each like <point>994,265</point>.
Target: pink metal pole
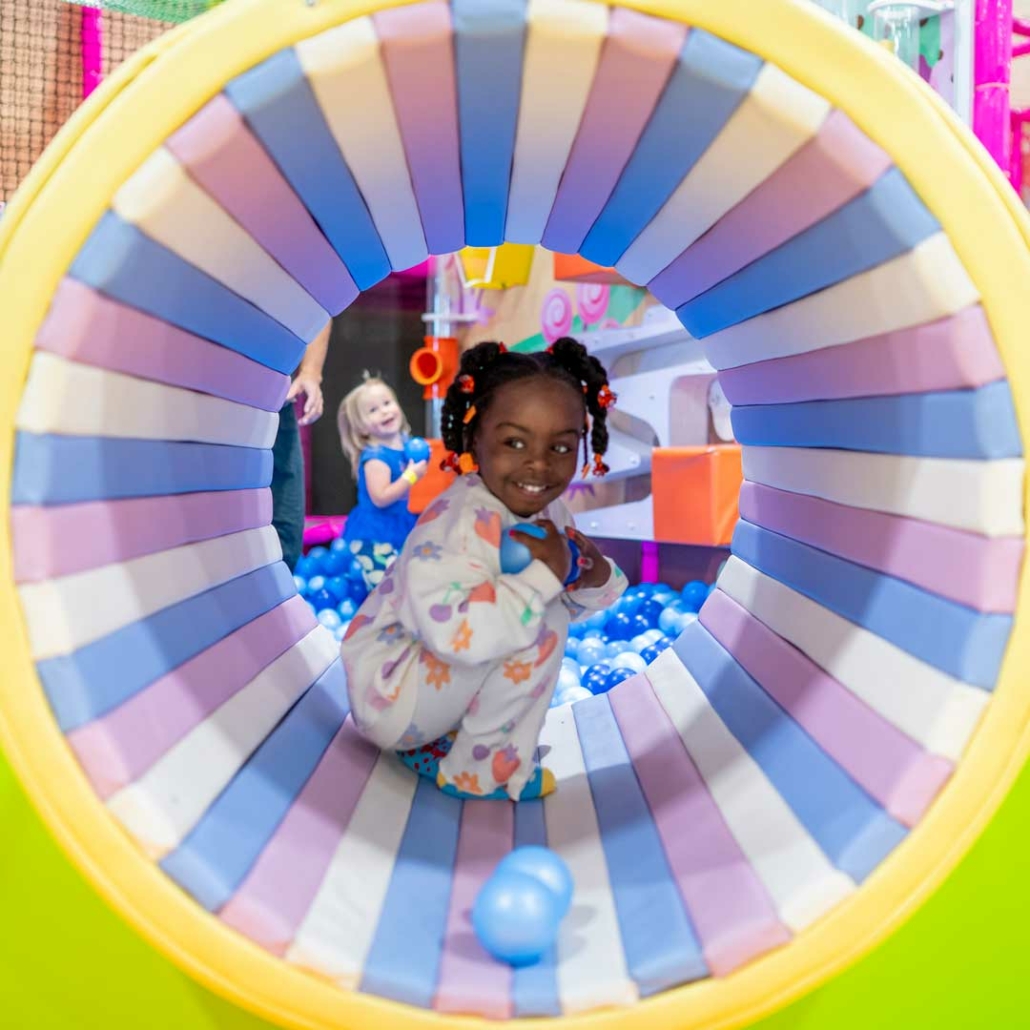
<point>92,43</point>
<point>992,78</point>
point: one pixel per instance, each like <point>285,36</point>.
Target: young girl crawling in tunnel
<point>451,652</point>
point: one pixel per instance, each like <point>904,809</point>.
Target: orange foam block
<point>433,483</point>
<point>695,491</point>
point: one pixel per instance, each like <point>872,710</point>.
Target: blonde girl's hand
<point>552,549</point>
<point>593,566</point>
<point>414,471</point>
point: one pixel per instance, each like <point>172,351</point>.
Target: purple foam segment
<point>85,326</point>
<point>52,542</point>
<point>838,164</point>
<point>223,156</point>
<point>119,747</point>
<point>728,905</point>
<point>273,900</point>
<point>636,62</point>
<point>418,53</point>
<point>470,981</point>
<point>977,571</point>
<point>891,766</point>
<point>952,353</point>
<point>51,469</point>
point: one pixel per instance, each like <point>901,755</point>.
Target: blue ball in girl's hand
<point>516,917</point>
<point>515,556</point>
<point>543,865</point>
<point>694,594</point>
<point>417,449</point>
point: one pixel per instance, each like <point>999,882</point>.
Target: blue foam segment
<point>710,80</point>
<point>854,832</point>
<point>489,36</point>
<point>50,469</point>
<point>123,263</point>
<point>960,641</point>
<point>277,102</point>
<point>661,947</point>
<point>978,424</point>
<point>884,222</point>
<point>404,960</point>
<point>534,988</point>
<point>213,859</point>
<point>99,677</point>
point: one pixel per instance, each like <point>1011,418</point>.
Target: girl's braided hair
<point>489,365</point>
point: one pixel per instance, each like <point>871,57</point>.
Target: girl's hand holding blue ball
<point>541,540</point>
<point>416,449</point>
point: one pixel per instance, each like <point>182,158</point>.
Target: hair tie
<point>605,397</point>
<point>469,415</point>
<point>450,463</point>
<point>466,383</point>
<point>502,348</point>
<point>600,468</point>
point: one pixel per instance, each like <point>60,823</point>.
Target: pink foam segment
<point>838,164</point>
<point>953,353</point>
<point>221,154</point>
<point>470,981</point>
<point>116,749</point>
<point>65,539</point>
<point>273,900</point>
<point>889,765</point>
<point>729,907</point>
<point>977,571</point>
<point>418,52</point>
<point>636,62</point>
<point>85,326</point>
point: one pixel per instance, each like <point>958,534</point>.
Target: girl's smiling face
<point>380,413</point>
<point>527,442</point>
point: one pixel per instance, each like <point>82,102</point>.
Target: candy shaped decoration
<point>416,449</point>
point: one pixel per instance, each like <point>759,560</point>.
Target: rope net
<point>41,68</point>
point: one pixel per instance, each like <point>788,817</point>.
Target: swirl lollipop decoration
<point>556,315</point>
<point>592,301</point>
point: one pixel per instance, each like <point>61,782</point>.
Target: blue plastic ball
<point>319,555</point>
<point>346,609</point>
<point>615,677</point>
<point>338,561</point>
<point>515,918</point>
<point>651,610</point>
<point>594,678</point>
<point>567,680</point>
<point>594,634</point>
<point>339,544</point>
<point>616,647</point>
<point>596,621</point>
<point>543,865</point>
<point>572,649</point>
<point>305,568</point>
<point>330,618</point>
<point>638,624</point>
<point>591,652</point>
<point>649,654</point>
<point>669,620</point>
<point>630,604</point>
<point>576,630</point>
<point>338,587</point>
<point>620,627</point>
<point>571,664</point>
<point>321,599</point>
<point>416,449</point>
<point>301,584</point>
<point>694,594</point>
<point>574,694</point>
<point>515,556</point>
<point>629,660</point>
<point>354,570</point>
<point>316,583</point>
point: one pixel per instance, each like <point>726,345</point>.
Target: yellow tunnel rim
<point>49,221</point>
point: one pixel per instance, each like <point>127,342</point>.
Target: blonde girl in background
<point>373,433</point>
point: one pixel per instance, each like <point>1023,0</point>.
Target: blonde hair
<point>354,435</point>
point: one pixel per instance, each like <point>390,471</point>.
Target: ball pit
<point>602,650</point>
